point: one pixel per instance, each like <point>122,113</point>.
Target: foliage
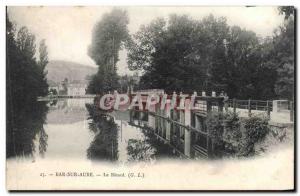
<point>25,81</point>
<point>241,69</point>
<point>139,150</point>
<point>284,57</point>
<point>109,35</point>
<point>23,127</point>
<point>232,127</point>
<point>234,136</point>
<point>25,78</point>
<point>287,11</point>
<point>103,81</point>
<point>128,82</point>
<point>187,55</point>
<point>43,54</point>
<point>256,129</point>
<point>225,130</point>
<point>163,50</point>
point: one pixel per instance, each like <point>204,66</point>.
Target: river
<point>67,129</point>
<point>50,138</point>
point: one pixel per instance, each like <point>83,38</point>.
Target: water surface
<point>72,129</point>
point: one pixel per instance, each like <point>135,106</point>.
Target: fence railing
<point>259,105</point>
<point>251,104</point>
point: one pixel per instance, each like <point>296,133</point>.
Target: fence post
<point>249,107</point>
<point>268,110</point>
<point>234,105</point>
<point>292,111</point>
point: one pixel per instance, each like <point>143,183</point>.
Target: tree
<point>240,66</point>
<point>163,51</point>
<point>26,42</point>
<point>109,35</point>
<point>287,11</point>
<point>43,54</point>
<point>43,61</point>
<point>128,83</point>
<point>182,54</point>
<point>284,54</point>
<point>24,83</point>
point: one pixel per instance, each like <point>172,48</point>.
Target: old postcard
<point>150,98</point>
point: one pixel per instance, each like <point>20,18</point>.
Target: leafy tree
<point>284,57</point>
<point>109,35</point>
<point>287,11</point>
<point>128,83</point>
<point>188,55</point>
<point>177,54</point>
<point>25,81</point>
<point>183,54</point>
<point>43,54</point>
<point>240,66</point>
<point>165,52</point>
<point>26,42</point>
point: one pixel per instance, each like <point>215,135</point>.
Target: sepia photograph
<point>150,98</point>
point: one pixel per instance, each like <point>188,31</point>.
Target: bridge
<point>185,129</point>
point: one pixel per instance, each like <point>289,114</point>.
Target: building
<point>76,88</point>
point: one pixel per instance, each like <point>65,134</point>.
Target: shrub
<point>255,130</point>
<point>232,132</point>
<point>139,150</point>
<point>224,130</point>
<point>234,136</point>
<point>232,126</point>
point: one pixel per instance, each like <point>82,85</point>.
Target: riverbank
<point>47,98</point>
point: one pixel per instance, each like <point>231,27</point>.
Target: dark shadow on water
<point>105,145</point>
<point>24,125</point>
<point>160,148</point>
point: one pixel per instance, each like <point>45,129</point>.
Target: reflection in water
<point>67,129</point>
<point>23,126</point>
<point>74,129</point>
<point>66,111</point>
<point>105,145</point>
<point>43,137</point>
<point>117,138</point>
<point>163,149</point>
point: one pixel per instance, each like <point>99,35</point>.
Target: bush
<point>234,136</point>
<point>232,132</point>
<point>232,126</point>
<point>255,130</point>
<point>224,130</point>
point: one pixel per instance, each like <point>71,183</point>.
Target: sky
<point>68,30</point>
